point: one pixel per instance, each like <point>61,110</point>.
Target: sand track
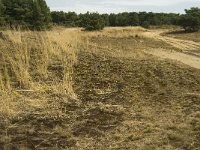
<point>188,51</point>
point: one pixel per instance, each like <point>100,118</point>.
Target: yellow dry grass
<point>30,62</point>
<point>126,98</point>
<point>91,41</point>
<point>116,32</point>
<point>26,57</point>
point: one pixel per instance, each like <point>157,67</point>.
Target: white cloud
<point>138,2</point>
<point>109,6</point>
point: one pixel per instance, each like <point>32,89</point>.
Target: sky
<point>116,6</point>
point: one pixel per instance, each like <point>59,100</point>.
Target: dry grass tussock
<point>35,62</point>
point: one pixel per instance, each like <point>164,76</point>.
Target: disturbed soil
<point>125,100</point>
<point>137,104</point>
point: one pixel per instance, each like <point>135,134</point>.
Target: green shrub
<point>145,24</point>
<point>92,21</point>
<point>191,20</point>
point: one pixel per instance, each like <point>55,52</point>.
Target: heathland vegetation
<point>71,89</point>
<point>119,88</point>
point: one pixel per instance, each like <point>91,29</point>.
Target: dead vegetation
<point>96,90</point>
<point>148,96</point>
<point>180,34</point>
<point>35,79</point>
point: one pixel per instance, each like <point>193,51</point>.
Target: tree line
<point>190,21</point>
<point>122,19</point>
<point>32,14</point>
<point>35,14</point>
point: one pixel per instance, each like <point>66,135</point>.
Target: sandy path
<point>189,50</point>
<point>181,57</point>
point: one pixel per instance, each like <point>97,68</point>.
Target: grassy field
<point>71,89</point>
<point>195,36</point>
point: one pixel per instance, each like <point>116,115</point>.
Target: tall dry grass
<point>35,62</point>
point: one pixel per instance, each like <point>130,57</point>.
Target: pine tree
<point>7,8</point>
<point>2,15</point>
<point>38,18</point>
<point>41,15</point>
<point>33,14</point>
<point>18,12</point>
<point>45,11</point>
<point>28,16</point>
